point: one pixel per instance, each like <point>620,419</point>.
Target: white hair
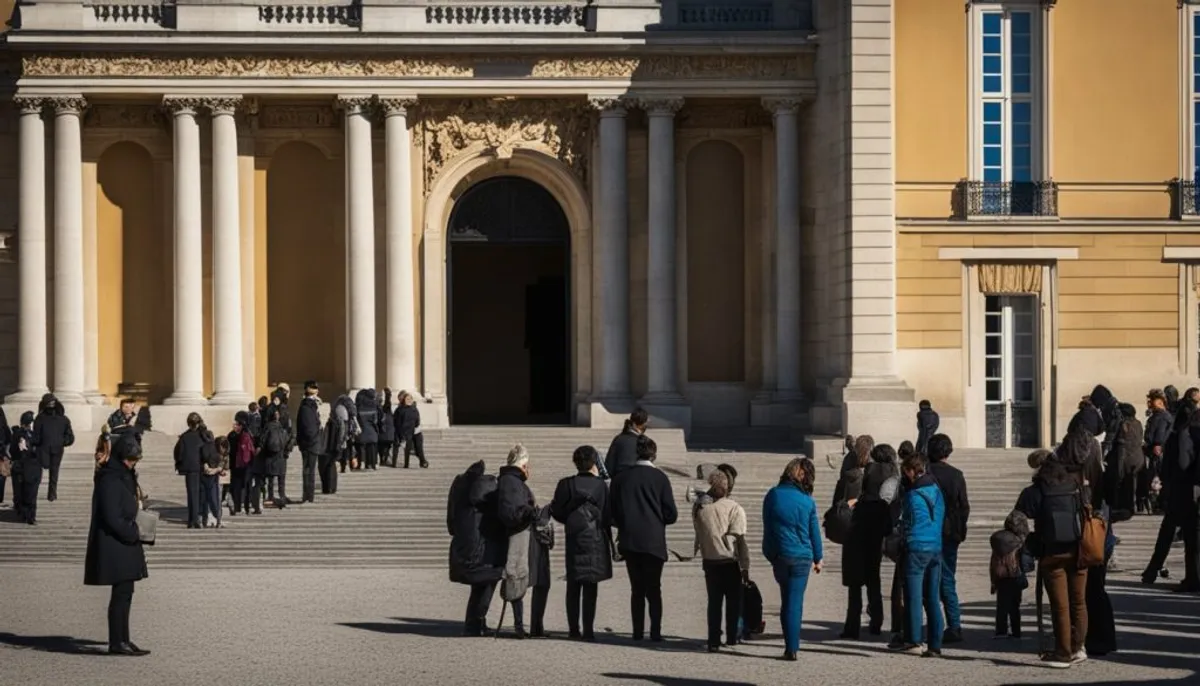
<point>518,456</point>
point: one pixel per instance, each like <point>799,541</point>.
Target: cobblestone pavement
<point>246,627</point>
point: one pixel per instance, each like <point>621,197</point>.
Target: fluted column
<point>401,306</point>
<point>188,274</point>
<point>785,113</point>
<point>228,379</point>
<point>610,359</point>
<point>662,366</point>
<point>360,243</point>
<point>69,338</point>
<point>31,253</point>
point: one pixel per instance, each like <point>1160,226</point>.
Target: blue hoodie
<point>790,526</point>
<point>922,514</point>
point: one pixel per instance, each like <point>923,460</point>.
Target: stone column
<point>785,112</point>
<point>610,358</point>
<point>360,243</point>
<point>31,253</point>
<point>401,305</point>
<point>69,338</point>
<point>228,379</point>
<point>188,246</point>
<point>662,397</point>
<point>91,298</point>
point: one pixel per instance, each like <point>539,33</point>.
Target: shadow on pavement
<point>65,645</point>
<point>674,680</point>
<point>412,626</point>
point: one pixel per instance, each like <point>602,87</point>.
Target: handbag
<point>147,525</point>
<point>1091,543</point>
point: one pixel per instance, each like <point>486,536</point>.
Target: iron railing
<point>1006,199</point>
<point>1183,192</point>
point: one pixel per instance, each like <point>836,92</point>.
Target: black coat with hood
<point>407,420</point>
<point>927,425</point>
<point>387,422</point>
<point>1110,413</point>
<point>52,431</point>
<point>870,522</point>
<point>114,548</point>
<point>308,425</point>
<point>478,542</point>
<point>622,452</point>
<point>368,416</point>
<point>581,505</point>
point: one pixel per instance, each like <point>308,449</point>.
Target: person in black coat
<point>387,431</point>
<point>870,522</point>
<point>190,452</point>
<point>5,440</point>
<point>369,422</point>
<point>52,434</point>
<point>518,512</point>
<point>309,439</point>
<point>26,469</point>
<point>622,452</point>
<point>114,548</point>
<point>581,504</point>
<point>478,542</point>
<point>1158,429</point>
<point>643,506</point>
<point>927,425</point>
<point>408,429</point>
<point>275,447</point>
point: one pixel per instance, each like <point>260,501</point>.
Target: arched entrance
<point>509,258</point>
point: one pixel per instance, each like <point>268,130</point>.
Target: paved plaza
<point>313,626</point>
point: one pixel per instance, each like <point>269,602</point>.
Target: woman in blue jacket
<point>792,544</point>
<point>922,513</point>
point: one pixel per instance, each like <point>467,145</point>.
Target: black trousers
<point>899,626</point>
<point>723,580</point>
<point>55,464</point>
<point>239,489</point>
<point>368,455</point>
<point>327,466</point>
<point>385,453</point>
<point>1101,636</point>
<point>308,465</point>
<point>344,458</point>
<point>874,585</point>
<point>1162,546</point>
<point>254,489</point>
<point>1190,530</point>
<point>537,612</point>
<point>645,582</point>
<point>416,444</point>
<point>31,480</point>
<point>3,483</point>
<point>1008,607</point>
<point>281,481</point>
<point>581,594</point>
<point>477,606</point>
<point>191,481</point>
<point>119,604</point>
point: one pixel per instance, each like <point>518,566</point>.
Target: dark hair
<point>884,454</point>
<point>906,448</point>
<point>863,445</point>
<point>128,401</point>
<point>940,447</point>
<point>914,463</point>
<point>801,473</point>
<point>585,457</point>
<point>1127,411</point>
<point>1053,472</point>
<point>222,444</point>
<point>195,421</point>
<point>925,405</point>
<point>1039,457</point>
<point>639,417</point>
<point>730,471</point>
<point>1075,448</point>
<point>647,449</point>
<point>262,402</point>
<point>252,407</point>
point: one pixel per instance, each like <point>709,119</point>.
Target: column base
<point>435,411</point>
<point>668,411</point>
<point>172,418</point>
<point>70,397</point>
<point>27,397</point>
<point>230,398</point>
<point>884,407</point>
<point>606,411</point>
<point>95,398</point>
<point>776,408</point>
<point>186,398</point>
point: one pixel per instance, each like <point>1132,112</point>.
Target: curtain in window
<point>1002,279</point>
<point>1196,273</point>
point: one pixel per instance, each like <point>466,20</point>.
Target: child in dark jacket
<point>927,425</point>
<point>1011,562</point>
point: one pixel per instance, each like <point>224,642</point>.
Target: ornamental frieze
<point>297,117</point>
<point>125,116</point>
<point>448,128</point>
<point>215,66</point>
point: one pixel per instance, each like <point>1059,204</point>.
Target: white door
<point>1010,371</point>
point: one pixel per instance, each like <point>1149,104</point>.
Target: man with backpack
<point>242,451</point>
<point>308,439</point>
<point>275,445</point>
<point>954,528</point>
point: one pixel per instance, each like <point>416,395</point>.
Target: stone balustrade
<point>525,14</point>
<point>299,16</point>
<point>128,14</point>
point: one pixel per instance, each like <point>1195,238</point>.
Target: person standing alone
<point>643,506</point>
<point>52,434</point>
<point>308,439</point>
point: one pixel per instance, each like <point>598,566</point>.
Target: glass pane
<point>992,345</point>
<point>1020,65</point>
<point>993,367</point>
<point>1025,427</point>
<point>992,22</point>
<point>1024,390</point>
<point>1195,23</point>
<point>993,112</point>
<point>991,84</point>
<point>1022,133</point>
<point>992,134</point>
<point>1024,367</point>
<point>994,175</point>
<point>993,391</point>
<point>991,304</point>
<point>991,64</point>
<point>992,322</point>
<point>1021,22</point>
<point>991,45</point>
<point>1023,345</point>
<point>1022,113</point>
<point>1022,44</point>
<point>1022,84</point>
<point>993,155</point>
<point>994,415</point>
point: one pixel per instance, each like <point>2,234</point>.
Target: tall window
<point>1195,92</point>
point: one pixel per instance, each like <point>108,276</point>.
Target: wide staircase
<point>396,517</point>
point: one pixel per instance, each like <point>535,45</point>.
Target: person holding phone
<point>792,544</point>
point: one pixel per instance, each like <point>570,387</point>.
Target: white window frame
<point>1188,9</point>
<point>1039,87</point>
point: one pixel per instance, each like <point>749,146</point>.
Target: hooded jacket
<point>478,542</point>
<point>52,431</point>
<point>923,515</point>
<point>368,416</point>
<point>581,504</point>
<point>308,425</point>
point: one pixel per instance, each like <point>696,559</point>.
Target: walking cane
<point>1040,630</point>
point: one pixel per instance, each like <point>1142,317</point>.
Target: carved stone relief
<point>125,116</point>
<point>723,116</point>
<point>449,128</point>
<point>296,117</point>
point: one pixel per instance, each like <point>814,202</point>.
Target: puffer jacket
<point>368,416</point>
<point>478,542</point>
<point>581,505</point>
<point>923,515</point>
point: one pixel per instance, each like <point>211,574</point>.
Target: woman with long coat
<point>862,556</point>
<point>408,430</point>
<point>114,550</point>
<point>478,542</point>
<point>581,505</point>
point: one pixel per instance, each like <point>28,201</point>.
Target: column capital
<point>354,104</point>
<point>660,106</point>
<point>66,104</point>
<point>783,105</point>
<point>396,106</point>
<point>183,104</point>
<point>30,104</point>
<point>609,105</point>
<point>222,104</point>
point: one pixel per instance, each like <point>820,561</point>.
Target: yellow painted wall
<point>1118,294</point>
<point>1115,111</point>
<point>6,12</point>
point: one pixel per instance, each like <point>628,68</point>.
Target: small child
<point>1011,561</point>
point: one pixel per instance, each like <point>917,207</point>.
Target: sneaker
<point>952,636</point>
<point>789,656</point>
<point>932,652</point>
<point>1080,656</point>
<point>896,643</point>
<point>1055,662</point>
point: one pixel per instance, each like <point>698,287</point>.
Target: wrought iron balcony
<point>1006,199</point>
<point>1183,197</point>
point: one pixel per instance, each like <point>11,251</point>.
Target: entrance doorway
<point>508,330</point>
<point>1010,362</point>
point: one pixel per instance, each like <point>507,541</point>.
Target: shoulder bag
<point>147,525</point>
<point>1091,543</point>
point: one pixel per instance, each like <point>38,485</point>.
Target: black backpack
<point>837,522</point>
<point>1059,521</point>
<point>275,439</point>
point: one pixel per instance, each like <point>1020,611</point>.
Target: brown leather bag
<point>1091,543</point>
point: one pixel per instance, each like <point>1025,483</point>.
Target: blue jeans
<point>949,585</point>
<point>792,576</point>
<point>922,585</point>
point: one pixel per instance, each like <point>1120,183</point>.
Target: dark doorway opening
<point>509,322</point>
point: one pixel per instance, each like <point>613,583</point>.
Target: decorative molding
<point>1008,254</point>
<point>396,106</point>
<point>30,104</point>
<point>66,104</point>
<point>1180,253</point>
<point>124,117</point>
<point>129,14</point>
<point>659,105</point>
<point>182,104</point>
<point>506,15</point>
<point>448,129</point>
<point>782,105</point>
<point>297,117</point>
<point>662,67</point>
<point>355,104</point>
<point>316,15</point>
<point>223,104</point>
<point>730,116</point>
<point>612,105</point>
